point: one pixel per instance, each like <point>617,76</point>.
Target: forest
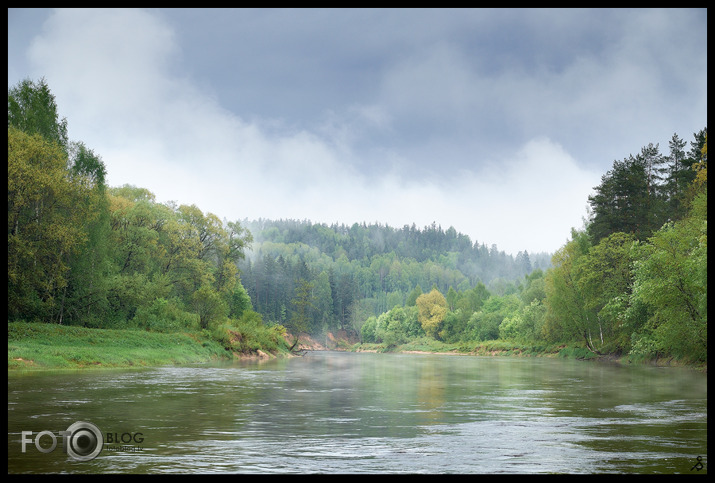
<point>631,281</point>
<point>362,270</point>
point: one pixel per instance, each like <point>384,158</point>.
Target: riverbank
<point>501,348</point>
<point>38,346</point>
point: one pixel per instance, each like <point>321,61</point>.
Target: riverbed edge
<point>185,348</point>
<point>564,351</point>
<point>55,347</point>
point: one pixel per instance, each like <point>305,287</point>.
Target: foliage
<point>604,278</point>
<point>524,325</point>
<point>432,309</point>
<point>302,302</point>
<point>633,281</point>
<point>642,192</point>
<point>396,326</point>
<point>162,315</point>
<point>671,277</point>
<point>622,285</point>
<point>82,253</point>
<point>249,334</point>
<point>453,326</point>
<point>370,268</point>
<point>47,216</point>
<point>622,201</point>
<point>484,324</point>
<point>31,108</point>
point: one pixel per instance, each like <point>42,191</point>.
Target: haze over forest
<point>405,184</point>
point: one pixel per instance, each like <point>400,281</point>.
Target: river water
<point>337,412</point>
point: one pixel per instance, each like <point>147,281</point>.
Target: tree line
<point>632,280</point>
<point>83,253</point>
<point>365,269</point>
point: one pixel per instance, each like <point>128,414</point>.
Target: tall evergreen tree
<point>32,109</point>
<point>621,201</point>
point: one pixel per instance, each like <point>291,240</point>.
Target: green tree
<point>567,317</point>
<point>622,201</point>
<point>208,305</point>
<point>47,220</point>
<point>239,302</point>
<point>84,298</point>
<point>671,277</point>
<point>323,306</point>
<point>699,155</point>
<point>525,325</point>
<point>432,308</point>
<point>392,327</point>
<point>367,331</point>
<point>471,301</point>
<point>31,108</point>
<point>412,297</point>
<point>680,177</point>
<point>603,277</point>
<point>453,326</point>
<point>303,303</point>
<point>484,324</point>
<point>534,288</point>
<point>451,298</point>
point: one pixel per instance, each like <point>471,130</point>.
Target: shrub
<point>164,316</point>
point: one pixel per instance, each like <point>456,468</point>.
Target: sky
<point>497,122</point>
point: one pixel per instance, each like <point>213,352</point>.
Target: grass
<point>32,346</point>
<point>483,348</point>
<point>247,337</point>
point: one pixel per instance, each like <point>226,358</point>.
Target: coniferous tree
<point>32,109</point>
<point>622,201</point>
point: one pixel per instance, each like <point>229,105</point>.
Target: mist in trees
<point>365,270</point>
<point>633,281</point>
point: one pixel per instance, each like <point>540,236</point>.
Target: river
<point>338,412</point>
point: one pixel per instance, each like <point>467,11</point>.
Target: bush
<point>248,334</point>
<point>162,315</point>
<point>391,327</point>
<point>525,325</point>
<point>453,326</point>
<point>367,331</point>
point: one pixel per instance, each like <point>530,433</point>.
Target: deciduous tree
<point>432,308</point>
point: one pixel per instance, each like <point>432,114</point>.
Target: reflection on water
<point>360,412</point>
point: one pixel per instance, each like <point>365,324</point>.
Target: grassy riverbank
<point>485,348</point>
<point>514,349</point>
<point>38,346</point>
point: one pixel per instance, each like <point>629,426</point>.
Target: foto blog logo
<point>82,441</point>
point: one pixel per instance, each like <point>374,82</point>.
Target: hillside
<point>365,269</point>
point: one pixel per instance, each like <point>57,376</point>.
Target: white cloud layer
<point>117,78</point>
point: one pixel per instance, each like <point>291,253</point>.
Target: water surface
<point>335,412</point>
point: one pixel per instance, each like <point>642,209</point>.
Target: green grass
<point>32,346</point>
<point>483,348</point>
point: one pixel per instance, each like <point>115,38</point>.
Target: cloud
<point>116,77</point>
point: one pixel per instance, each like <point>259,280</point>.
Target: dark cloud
<point>498,122</point>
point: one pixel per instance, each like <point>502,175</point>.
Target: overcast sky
<point>496,122</point>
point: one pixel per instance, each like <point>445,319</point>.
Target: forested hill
<point>369,268</point>
<point>632,281</point>
<point>364,241</point>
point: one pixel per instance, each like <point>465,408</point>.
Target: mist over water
<point>335,412</point>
